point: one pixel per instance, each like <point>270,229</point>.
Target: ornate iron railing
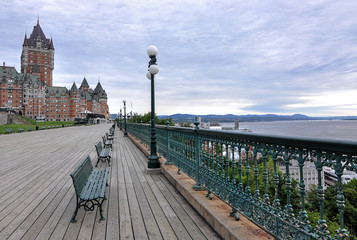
<point>221,162</point>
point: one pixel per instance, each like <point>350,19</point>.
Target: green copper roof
<point>84,83</point>
<point>74,87</point>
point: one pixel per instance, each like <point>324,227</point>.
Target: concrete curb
<point>215,211</point>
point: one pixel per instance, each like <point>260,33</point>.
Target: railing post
<point>303,218</point>
<point>321,229</point>
<point>256,175</point>
<point>288,207</point>
<point>276,202</point>
<point>341,232</point>
<point>265,179</point>
<point>120,120</point>
<point>125,132</point>
<point>198,186</point>
<point>167,144</point>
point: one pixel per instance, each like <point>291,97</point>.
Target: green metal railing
<point>221,162</point>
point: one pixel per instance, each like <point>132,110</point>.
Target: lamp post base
<point>154,162</point>
<point>152,171</point>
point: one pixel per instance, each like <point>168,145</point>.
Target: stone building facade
<point>31,93</point>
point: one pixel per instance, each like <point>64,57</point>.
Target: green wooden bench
<point>106,142</point>
<point>109,137</point>
<point>89,185</point>
<point>20,130</point>
<point>8,130</point>
<point>29,129</point>
<point>104,154</point>
<point>111,131</point>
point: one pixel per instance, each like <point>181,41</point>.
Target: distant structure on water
<point>216,125</point>
<point>31,93</point>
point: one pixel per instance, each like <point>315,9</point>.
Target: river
<point>327,129</point>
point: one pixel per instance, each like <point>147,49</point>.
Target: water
<point>327,129</point>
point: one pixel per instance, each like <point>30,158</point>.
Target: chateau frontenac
<point>31,92</point>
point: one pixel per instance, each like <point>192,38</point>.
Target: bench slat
<point>104,183</point>
<point>81,173</point>
<point>94,185</point>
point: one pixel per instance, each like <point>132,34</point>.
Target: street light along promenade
<point>152,70</point>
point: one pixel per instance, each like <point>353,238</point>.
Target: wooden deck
<point>37,197</point>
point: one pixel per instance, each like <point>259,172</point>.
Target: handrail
<point>226,163</point>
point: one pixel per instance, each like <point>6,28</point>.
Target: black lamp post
<point>120,123</point>
<point>152,70</point>
<point>125,132</point>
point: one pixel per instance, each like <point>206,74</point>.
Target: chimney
<point>3,65</point>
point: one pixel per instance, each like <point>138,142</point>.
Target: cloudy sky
<point>215,57</point>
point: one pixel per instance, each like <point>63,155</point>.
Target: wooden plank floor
<point>37,197</point>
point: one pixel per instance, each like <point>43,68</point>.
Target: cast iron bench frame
<point>111,131</point>
<point>89,185</point>
<point>104,154</point>
<point>106,142</point>
<point>109,137</point>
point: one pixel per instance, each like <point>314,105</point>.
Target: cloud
<point>214,56</point>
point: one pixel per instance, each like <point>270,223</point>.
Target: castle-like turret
<point>38,55</point>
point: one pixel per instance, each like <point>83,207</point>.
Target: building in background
<point>31,93</point>
<point>38,55</point>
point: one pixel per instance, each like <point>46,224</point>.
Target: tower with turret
<point>38,55</point>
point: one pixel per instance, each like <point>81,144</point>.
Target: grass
<point>41,125</point>
<point>32,121</point>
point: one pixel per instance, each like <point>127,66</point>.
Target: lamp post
<point>152,70</point>
<point>125,132</point>
<point>120,123</point>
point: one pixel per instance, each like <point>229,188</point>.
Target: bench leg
<point>89,206</point>
<point>97,161</point>
<point>73,220</point>
<point>101,209</point>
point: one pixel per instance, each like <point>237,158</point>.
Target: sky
<point>215,57</point>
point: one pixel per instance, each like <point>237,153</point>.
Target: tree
<point>185,124</point>
<point>146,118</point>
<point>331,210</point>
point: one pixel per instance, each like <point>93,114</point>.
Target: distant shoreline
<point>250,118</point>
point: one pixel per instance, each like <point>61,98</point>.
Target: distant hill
<point>249,118</point>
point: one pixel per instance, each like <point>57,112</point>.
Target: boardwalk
<point>37,197</point>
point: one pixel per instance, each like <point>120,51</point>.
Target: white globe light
<point>154,69</point>
<point>148,75</point>
<point>152,50</point>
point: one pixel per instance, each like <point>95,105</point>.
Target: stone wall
<point>6,118</point>
<point>3,118</point>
